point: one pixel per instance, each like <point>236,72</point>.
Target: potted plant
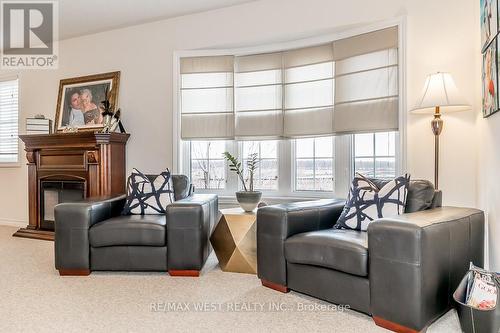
<point>248,198</point>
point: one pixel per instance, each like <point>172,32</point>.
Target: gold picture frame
<point>79,99</point>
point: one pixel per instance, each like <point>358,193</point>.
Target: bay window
<point>312,115</point>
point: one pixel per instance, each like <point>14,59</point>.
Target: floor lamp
<point>440,95</point>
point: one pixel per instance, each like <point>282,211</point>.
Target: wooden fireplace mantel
<point>97,159</point>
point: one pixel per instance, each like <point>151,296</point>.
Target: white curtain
<point>366,82</point>
<point>258,96</point>
<point>309,88</point>
<point>346,86</point>
<point>207,97</point>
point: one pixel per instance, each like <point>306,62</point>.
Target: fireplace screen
<point>55,192</point>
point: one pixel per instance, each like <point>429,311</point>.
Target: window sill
<point>230,201</point>
<point>10,165</point>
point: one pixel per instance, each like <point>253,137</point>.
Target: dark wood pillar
<point>32,191</point>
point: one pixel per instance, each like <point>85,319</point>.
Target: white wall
<point>488,171</point>
<point>441,35</point>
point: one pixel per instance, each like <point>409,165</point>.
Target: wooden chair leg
<point>74,272</point>
<point>191,273</point>
<point>274,286</point>
<point>394,326</point>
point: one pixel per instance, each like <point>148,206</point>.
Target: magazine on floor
<point>482,288</point>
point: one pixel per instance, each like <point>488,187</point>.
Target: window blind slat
<point>299,122</point>
<point>367,116</point>
<point>258,62</point>
<point>207,126</point>
<point>218,64</point>
<point>9,142</point>
<point>366,43</point>
<point>308,56</point>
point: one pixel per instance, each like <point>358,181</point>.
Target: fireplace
<point>65,167</point>
<point>56,192</point>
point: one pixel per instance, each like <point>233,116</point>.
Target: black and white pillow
<point>147,196</point>
<point>367,202</point>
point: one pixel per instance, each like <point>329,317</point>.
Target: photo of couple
<point>83,108</point>
<point>79,100</point>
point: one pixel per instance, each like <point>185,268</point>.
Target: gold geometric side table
<point>234,240</point>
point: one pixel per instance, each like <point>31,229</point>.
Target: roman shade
<point>258,96</point>
<point>309,91</point>
<point>207,97</point>
<point>9,121</point>
<point>366,82</point>
<point>345,86</point>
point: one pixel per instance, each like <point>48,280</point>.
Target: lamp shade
<point>440,90</point>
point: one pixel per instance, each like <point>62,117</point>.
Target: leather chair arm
<point>189,224</point>
<point>276,223</point>
<point>72,223</point>
<point>418,259</point>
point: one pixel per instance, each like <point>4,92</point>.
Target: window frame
<point>343,156</point>
<point>314,158</point>
<point>208,159</point>
<point>16,164</point>
<point>374,156</point>
<point>244,158</point>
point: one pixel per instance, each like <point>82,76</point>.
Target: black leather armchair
<point>402,271</point>
<point>93,235</point>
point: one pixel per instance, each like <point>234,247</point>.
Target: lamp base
<point>437,128</point>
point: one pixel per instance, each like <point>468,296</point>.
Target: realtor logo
<point>29,34</point>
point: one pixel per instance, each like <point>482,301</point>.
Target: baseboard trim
<point>13,223</point>
<point>35,234</point>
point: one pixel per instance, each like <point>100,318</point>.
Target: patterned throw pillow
<point>145,196</point>
<point>367,202</point>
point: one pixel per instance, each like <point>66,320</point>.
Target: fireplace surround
<point>66,167</point>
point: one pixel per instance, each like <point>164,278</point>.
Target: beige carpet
<point>34,298</point>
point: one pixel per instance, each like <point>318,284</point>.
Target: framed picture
<point>79,99</point>
<point>489,22</point>
<point>490,80</point>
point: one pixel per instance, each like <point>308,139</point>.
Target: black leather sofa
<point>402,271</point>
<point>94,236</point>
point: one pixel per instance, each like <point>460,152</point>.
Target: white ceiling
<point>77,18</point>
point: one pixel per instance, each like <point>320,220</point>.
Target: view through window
<point>375,154</point>
<point>208,165</point>
<point>266,177</point>
<point>310,162</point>
<point>314,165</point>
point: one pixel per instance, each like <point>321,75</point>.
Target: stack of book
<point>38,126</point>
<point>482,289</point>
